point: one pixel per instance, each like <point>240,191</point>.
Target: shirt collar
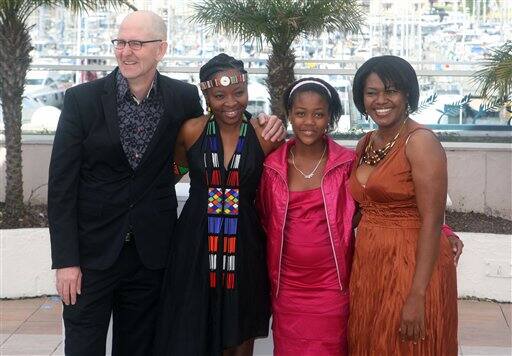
<point>123,89</point>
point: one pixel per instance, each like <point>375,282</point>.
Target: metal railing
<point>450,80</point>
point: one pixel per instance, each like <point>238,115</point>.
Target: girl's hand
<point>412,325</point>
<point>457,247</point>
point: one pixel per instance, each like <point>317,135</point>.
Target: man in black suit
<point>111,199</point>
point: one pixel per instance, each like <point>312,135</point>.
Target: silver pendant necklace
<point>310,175</point>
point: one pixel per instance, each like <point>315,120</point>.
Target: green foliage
<point>427,102</point>
<point>278,21</point>
<point>22,9</point>
<point>495,78</point>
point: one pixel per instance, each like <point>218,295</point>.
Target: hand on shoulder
<point>270,131</point>
<point>271,127</point>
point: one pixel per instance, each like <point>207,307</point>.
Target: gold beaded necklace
<point>371,156</point>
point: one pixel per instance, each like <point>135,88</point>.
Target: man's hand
<point>69,284</point>
<point>273,130</point>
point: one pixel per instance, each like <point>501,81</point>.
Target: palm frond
<point>91,5</point>
<point>426,103</point>
<point>330,16</point>
<point>454,108</point>
<point>494,104</point>
<point>277,21</point>
<point>495,78</point>
<point>22,9</point>
<point>465,100</point>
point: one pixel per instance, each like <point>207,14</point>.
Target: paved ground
<point>33,327</point>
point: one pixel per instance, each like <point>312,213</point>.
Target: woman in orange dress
<point>403,285</point>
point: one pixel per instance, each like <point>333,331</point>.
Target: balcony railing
<point>447,90</point>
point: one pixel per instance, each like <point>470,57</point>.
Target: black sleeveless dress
<point>196,319</point>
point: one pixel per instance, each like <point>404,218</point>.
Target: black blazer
<point>93,193</point>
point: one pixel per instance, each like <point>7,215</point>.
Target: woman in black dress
<point>215,295</point>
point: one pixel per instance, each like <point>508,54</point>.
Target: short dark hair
<point>322,88</point>
<point>220,63</point>
<point>393,71</point>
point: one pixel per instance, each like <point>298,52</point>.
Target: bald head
<point>146,23</point>
<point>139,65</point>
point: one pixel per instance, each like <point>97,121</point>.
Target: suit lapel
<point>109,99</point>
<point>168,100</point>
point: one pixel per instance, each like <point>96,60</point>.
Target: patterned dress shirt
<point>137,120</point>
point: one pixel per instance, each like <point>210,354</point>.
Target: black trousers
<point>129,292</point>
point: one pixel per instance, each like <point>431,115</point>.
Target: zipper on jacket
<point>329,225</point>
<point>326,217</point>
<point>282,230</point>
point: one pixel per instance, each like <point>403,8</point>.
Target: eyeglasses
<point>133,44</point>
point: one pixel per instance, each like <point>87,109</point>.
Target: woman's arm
<point>267,144</point>
<point>180,165</point>
<point>356,218</point>
<point>188,134</point>
<point>428,165</point>
<point>358,214</point>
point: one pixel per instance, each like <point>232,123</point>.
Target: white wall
<point>25,263</point>
<point>36,160</point>
<point>484,270</point>
<point>479,174</point>
<point>480,177</point>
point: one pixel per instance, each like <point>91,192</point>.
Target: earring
<point>209,110</point>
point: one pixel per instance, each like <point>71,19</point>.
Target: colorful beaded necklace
<point>372,156</point>
<point>223,209</point>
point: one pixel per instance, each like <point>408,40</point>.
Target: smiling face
<point>227,103</point>
<point>385,105</point>
<point>309,116</point>
<point>139,65</point>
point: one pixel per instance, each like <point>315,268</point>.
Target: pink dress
<point>310,313</point>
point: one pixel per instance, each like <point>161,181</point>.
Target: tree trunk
<point>15,47</point>
<point>280,75</point>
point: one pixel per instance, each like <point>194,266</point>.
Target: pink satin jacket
<point>272,203</point>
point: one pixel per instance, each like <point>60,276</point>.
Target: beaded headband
<point>223,81</point>
<point>298,85</point>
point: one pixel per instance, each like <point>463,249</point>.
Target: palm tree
<point>279,23</point>
<point>495,78</point>
<point>15,47</point>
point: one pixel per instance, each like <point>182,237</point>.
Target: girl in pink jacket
<point>307,213</point>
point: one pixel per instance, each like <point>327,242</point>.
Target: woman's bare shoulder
<point>194,124</point>
<point>191,129</point>
<point>424,144</point>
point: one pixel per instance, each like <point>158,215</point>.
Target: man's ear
<point>162,50</point>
